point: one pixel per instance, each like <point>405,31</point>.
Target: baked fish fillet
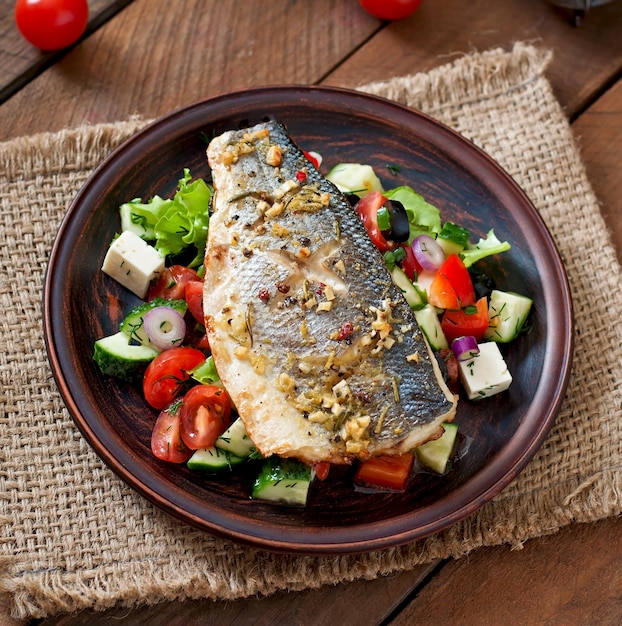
<point>317,348</point>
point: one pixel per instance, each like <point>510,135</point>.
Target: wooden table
<point>147,57</point>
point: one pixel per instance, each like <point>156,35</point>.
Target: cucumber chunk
<point>427,319</point>
<point>415,296</point>
<point>134,322</point>
<point>435,454</point>
<point>507,313</point>
<point>452,238</point>
<point>116,357</point>
<point>355,178</point>
<point>283,480</point>
<point>213,460</point>
<point>236,440</point>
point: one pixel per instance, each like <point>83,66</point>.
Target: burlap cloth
<point>74,536</point>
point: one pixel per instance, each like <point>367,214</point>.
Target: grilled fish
<point>317,348</point>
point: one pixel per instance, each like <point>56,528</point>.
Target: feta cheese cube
<point>486,373</point>
<point>133,262</point>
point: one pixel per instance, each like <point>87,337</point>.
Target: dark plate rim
<point>395,531</point>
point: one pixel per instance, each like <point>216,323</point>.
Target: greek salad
<point>161,344</point>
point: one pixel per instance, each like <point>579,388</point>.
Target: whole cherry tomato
<point>390,9</point>
<point>205,414</point>
<point>165,376</point>
<point>51,24</point>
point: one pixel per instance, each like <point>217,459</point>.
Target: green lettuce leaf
<point>174,224</point>
<point>205,373</point>
<point>486,246</point>
<point>423,217</point>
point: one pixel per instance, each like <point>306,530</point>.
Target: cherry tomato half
<point>193,294</point>
<point>166,442</point>
<point>171,283</point>
<point>165,376</point>
<point>390,9</point>
<point>205,414</point>
<point>410,265</point>
<point>51,24</point>
<point>367,209</point>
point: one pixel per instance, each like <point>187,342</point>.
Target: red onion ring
<point>165,327</point>
<point>428,252</point>
<point>464,347</point>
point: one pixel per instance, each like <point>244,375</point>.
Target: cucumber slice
<point>452,238</point>
<point>355,178</point>
<point>427,319</point>
<point>283,480</point>
<point>435,454</point>
<point>236,440</point>
<point>213,460</point>
<point>134,322</point>
<point>116,357</point>
<point>507,313</point>
<point>415,296</point>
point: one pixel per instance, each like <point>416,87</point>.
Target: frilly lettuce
<point>422,216</point>
<point>486,246</point>
<point>174,224</point>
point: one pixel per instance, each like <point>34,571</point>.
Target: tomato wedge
<point>452,287</point>
<point>472,320</point>
<point>166,442</point>
<point>165,376</point>
<point>193,293</point>
<point>171,283</point>
<point>367,209</point>
<point>442,294</point>
<point>409,264</point>
<point>385,472</point>
<point>321,469</point>
<point>205,414</point>
<point>457,274</point>
<point>315,158</point>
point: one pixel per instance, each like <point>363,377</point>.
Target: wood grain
<point>189,52</point>
<point>585,58</point>
<point>599,135</point>
<point>572,578</point>
<point>20,62</point>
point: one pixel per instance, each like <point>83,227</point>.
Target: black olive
<point>482,284</point>
<point>352,198</point>
<point>400,228</point>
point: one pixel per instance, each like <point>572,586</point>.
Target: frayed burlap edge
<point>493,72</point>
<point>75,149</point>
<point>512,518</point>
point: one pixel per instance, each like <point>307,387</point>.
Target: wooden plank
<point>599,136</point>
<point>572,578</point>
<point>585,58</point>
<point>149,62</point>
<point>357,603</point>
<point>20,62</point>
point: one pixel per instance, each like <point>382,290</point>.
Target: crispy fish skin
<point>317,348</point>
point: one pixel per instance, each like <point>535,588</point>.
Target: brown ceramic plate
<point>82,304</point>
